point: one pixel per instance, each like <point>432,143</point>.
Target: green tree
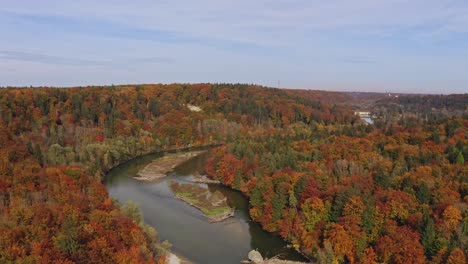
<point>423,193</point>
<point>299,187</point>
<point>278,202</point>
<point>238,180</point>
<point>460,159</point>
<point>382,179</point>
<point>256,196</point>
<point>66,240</point>
<point>154,108</point>
<point>132,210</point>
<point>428,238</point>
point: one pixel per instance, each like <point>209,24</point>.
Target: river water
<point>185,227</point>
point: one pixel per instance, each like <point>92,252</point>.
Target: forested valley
<point>335,188</point>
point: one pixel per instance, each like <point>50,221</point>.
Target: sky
<point>412,46</point>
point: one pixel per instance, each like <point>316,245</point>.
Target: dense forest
<point>337,189</point>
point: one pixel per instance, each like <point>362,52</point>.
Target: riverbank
<point>192,235</point>
<point>159,167</point>
<point>256,258</point>
<point>163,151</point>
<point>172,258</point>
<point>197,178</point>
<point>213,205</point>
<point>274,261</point>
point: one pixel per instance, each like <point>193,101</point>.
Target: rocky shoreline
<point>213,204</point>
<point>173,258</point>
<point>254,257</point>
<point>211,218</point>
<point>159,167</point>
<point>203,179</point>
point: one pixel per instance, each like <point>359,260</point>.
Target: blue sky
<point>417,46</point>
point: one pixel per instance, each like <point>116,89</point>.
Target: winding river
<point>185,227</point>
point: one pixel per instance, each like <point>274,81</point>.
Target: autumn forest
<point>335,188</point>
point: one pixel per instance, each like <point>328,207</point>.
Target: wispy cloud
<point>6,55</point>
<point>112,28</point>
<point>254,21</point>
<point>422,42</point>
<point>42,58</point>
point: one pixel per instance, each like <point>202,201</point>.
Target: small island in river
<point>213,205</point>
<point>159,167</point>
<point>197,178</point>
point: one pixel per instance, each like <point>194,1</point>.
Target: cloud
<point>59,60</point>
<point>261,22</point>
<point>42,58</point>
<point>316,44</point>
<point>133,31</point>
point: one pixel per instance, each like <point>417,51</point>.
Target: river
<point>185,227</point>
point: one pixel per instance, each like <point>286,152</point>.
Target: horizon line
<point>226,83</point>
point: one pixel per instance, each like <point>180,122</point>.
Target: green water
<point>191,235</point>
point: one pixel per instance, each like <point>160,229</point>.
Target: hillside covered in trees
<point>336,189</point>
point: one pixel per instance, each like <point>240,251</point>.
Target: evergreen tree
<point>460,159</point>
<point>278,203</point>
<point>256,197</point>
<point>428,235</point>
<point>38,154</point>
<point>382,179</point>
<point>300,186</point>
<point>423,193</point>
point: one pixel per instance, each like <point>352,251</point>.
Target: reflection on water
<point>186,227</point>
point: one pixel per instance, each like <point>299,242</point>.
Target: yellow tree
<point>313,210</point>
<point>341,242</point>
<point>456,257</point>
<point>451,216</point>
